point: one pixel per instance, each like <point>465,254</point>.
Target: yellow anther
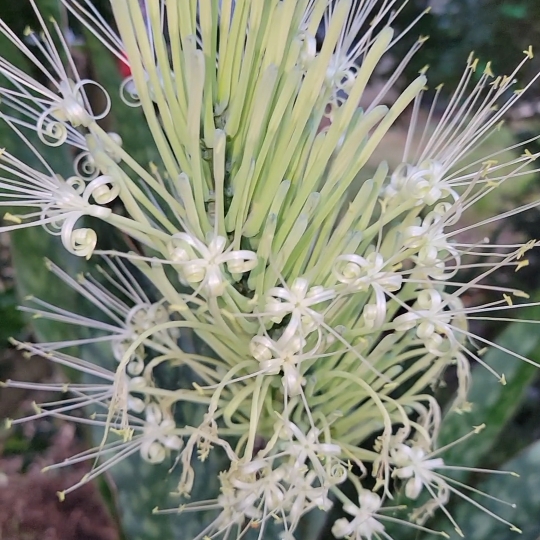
<point>479,428</point>
<point>12,218</point>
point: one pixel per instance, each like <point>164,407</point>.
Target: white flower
<point>306,317</point>
<point>364,523</point>
<point>96,397</point>
<point>411,464</point>
<point>127,308</point>
<point>425,183</point>
<point>66,102</point>
<point>59,203</point>
<point>361,274</point>
<point>284,356</point>
<point>432,242</point>
<point>304,495</point>
<point>100,155</point>
<point>308,447</point>
<point>51,131</point>
<point>158,435</point>
<point>201,263</point>
<point>436,317</point>
<point>298,301</point>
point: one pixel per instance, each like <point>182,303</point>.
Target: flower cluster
<point>325,302</point>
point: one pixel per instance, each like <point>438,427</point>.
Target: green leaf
<point>523,491</point>
<point>514,11</point>
<point>493,403</point>
<point>29,249</point>
<point>11,319</point>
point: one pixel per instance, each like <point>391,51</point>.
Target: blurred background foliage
<point>498,31</point>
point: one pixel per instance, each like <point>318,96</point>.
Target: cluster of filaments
<point>328,310</point>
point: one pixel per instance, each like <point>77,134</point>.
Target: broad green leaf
<point>11,321</point>
<point>513,10</point>
<point>30,247</point>
<point>524,492</point>
<point>493,403</point>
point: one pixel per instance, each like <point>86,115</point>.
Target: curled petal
<point>276,309</point>
<point>214,281</point>
<point>136,405</point>
<point>342,528</point>
<point>137,383</point>
<point>405,322</point>
<point>414,236</point>
<point>153,452</point>
<point>375,314</point>
<point>154,414</point>
<point>103,190</point>
<point>428,255</point>
<point>318,294</point>
<point>300,287</point>
<point>128,93</point>
<point>349,267</point>
<point>80,242</point>
<point>85,166</point>
<point>435,345</point>
<point>194,271</point>
<point>292,380</point>
<point>135,366</point>
<point>80,87</point>
<point>369,501</point>
<point>391,282</point>
<point>239,262</point>
<point>338,472</point>
<point>216,245</point>
<point>425,329</point>
<point>174,442</point>
<point>261,348</point>
<point>77,184</point>
<point>413,487</point>
<point>429,299</point>
<point>51,132</point>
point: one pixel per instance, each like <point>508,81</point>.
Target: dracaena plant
<point>325,302</point>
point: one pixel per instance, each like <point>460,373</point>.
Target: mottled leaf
<point>493,403</point>
<point>524,492</point>
<point>11,321</point>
